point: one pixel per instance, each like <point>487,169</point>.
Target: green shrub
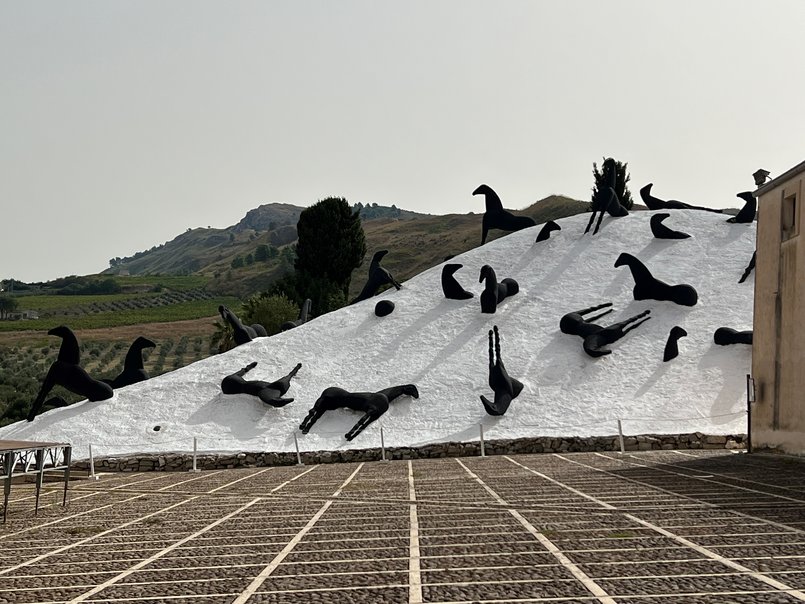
<point>270,311</point>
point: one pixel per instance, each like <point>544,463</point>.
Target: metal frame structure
<point>23,458</point>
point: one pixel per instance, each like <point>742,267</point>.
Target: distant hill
<point>230,258</point>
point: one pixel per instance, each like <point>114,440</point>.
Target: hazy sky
<point>124,123</point>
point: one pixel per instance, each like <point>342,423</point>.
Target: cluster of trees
<point>369,211</point>
<point>8,305</point>
<point>82,286</point>
<point>263,253</point>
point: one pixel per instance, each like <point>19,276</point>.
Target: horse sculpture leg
<point>374,412</point>
<point>312,417</point>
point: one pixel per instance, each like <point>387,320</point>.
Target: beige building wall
<point>778,347</point>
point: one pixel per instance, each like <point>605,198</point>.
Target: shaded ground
<point>669,527</point>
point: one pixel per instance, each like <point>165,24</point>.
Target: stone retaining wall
<point>144,462</point>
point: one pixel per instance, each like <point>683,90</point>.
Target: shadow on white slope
<point>441,346</point>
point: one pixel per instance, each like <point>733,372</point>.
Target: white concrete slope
<point>441,346</point>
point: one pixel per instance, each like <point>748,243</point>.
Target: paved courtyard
<point>665,527</point>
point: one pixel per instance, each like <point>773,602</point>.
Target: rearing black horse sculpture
<point>495,217</point>
<point>66,372</point>
<point>506,388</point>
<point>378,276</point>
<point>373,404</point>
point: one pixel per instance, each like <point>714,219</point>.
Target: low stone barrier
<point>167,462</point>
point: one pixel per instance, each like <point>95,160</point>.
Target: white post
<point>382,446</point>
<point>483,447</point>
<point>195,449</point>
<point>620,437</point>
<point>298,456</point>
<point>92,475</point>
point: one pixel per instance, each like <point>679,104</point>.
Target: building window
<point>789,217</point>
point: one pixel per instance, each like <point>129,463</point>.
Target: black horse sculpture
<point>303,313</point>
<point>750,267</point>
<point>494,293</point>
<point>647,287</point>
<point>546,230</point>
<point>671,348</point>
<point>378,276</point>
<point>655,203</point>
<point>242,333</point>
<point>660,231</point>
<point>747,213</point>
<point>506,388</point>
<point>133,369</point>
<point>594,336</point>
<point>373,405</point>
<point>450,287</point>
<point>495,217</point>
<point>66,372</point>
<point>723,336</point>
<point>268,392</point>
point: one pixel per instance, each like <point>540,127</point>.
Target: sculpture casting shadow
<point>750,267</point>
<point>494,293</point>
<point>506,388</point>
<point>378,276</point>
<point>671,350</point>
<point>647,287</point>
<point>747,213</point>
<point>66,372</point>
<point>268,392</point>
<point>724,336</point>
<point>133,369</point>
<point>450,287</point>
<point>303,313</point>
<point>546,230</point>
<point>495,217</point>
<point>660,231</point>
<point>595,337</point>
<point>373,405</point>
<point>655,203</point>
<point>242,333</point>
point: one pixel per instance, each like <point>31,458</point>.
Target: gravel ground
<point>666,527</point>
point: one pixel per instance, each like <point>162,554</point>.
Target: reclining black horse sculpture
<point>495,217</point>
<point>648,287</point>
<point>133,369</point>
<point>66,372</point>
<point>373,405</point>
<point>747,213</point>
<point>242,333</point>
<point>451,288</point>
<point>494,293</point>
<point>268,392</point>
<point>595,336</point>
<point>378,276</point>
<point>655,203</point>
<point>545,232</point>
<point>671,350</point>
<point>724,336</point>
<point>505,387</point>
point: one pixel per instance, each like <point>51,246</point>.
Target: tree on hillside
<point>7,305</point>
<point>331,243</point>
<point>603,178</point>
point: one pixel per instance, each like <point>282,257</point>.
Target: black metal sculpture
<point>660,231</point>
<point>595,337</point>
<point>747,213</point>
<point>378,276</point>
<point>671,348</point>
<point>373,405</point>
<point>648,287</point>
<point>655,203</point>
<point>494,293</point>
<point>750,267</point>
<point>546,231</point>
<point>450,287</point>
<point>241,333</point>
<point>506,388</point>
<point>724,336</point>
<point>384,308</point>
<point>133,368</point>
<point>606,199</point>
<point>66,372</point>
<point>268,392</point>
<point>495,217</point>
<point>303,313</point>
